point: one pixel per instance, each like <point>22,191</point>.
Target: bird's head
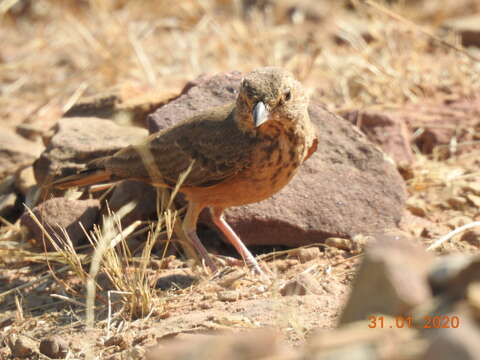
<point>270,97</point>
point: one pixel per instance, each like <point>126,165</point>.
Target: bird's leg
<point>189,226</point>
<point>234,239</point>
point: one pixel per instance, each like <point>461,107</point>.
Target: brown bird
<point>238,154</point>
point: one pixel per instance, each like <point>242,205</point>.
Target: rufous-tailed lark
<point>238,154</point>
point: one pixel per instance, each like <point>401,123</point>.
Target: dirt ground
<point>350,55</point>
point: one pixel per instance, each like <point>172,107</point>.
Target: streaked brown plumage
<point>239,154</point>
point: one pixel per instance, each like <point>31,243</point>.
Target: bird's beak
<point>260,114</point>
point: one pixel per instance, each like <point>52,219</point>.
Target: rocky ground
<point>374,246</point>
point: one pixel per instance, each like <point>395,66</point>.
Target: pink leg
<point>234,239</point>
<point>190,229</point>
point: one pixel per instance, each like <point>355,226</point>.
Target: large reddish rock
<point>347,187</point>
<point>76,141</point>
<point>202,93</point>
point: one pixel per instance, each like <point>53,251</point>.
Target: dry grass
<point>111,256</point>
<point>65,49</point>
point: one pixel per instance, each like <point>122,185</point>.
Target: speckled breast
<point>274,162</point>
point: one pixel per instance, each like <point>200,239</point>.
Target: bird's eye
<point>287,96</point>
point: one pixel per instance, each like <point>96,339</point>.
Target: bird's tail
<point>94,174</point>
<point>83,178</point>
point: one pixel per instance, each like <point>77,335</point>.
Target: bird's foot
<point>260,269</point>
<point>193,237</point>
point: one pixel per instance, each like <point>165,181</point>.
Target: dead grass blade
<point>451,234</point>
<point>102,241</point>
<point>6,5</point>
<point>64,248</point>
<point>397,17</point>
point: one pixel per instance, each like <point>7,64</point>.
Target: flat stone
<point>128,106</point>
<point>16,152</point>
<point>75,141</point>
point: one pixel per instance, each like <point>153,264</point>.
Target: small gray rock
<point>54,347</point>
<point>16,152</point>
<point>392,280</point>
<point>454,343</point>
<point>143,195</point>
<point>302,284</point>
<point>58,213</point>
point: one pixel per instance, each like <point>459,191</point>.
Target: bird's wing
<point>210,143</point>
